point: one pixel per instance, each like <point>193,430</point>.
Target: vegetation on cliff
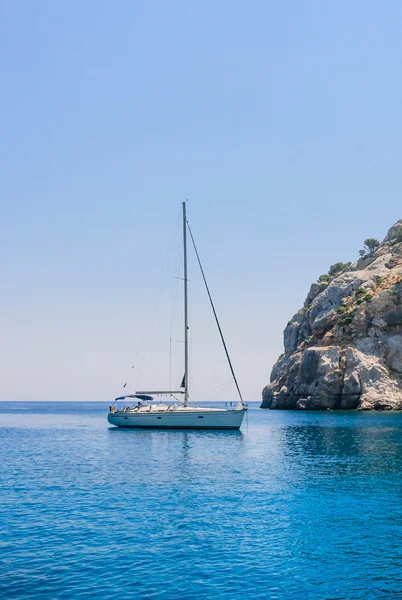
<point>343,349</point>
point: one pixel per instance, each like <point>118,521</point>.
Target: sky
<point>280,122</point>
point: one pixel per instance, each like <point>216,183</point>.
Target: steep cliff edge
<point>343,349</point>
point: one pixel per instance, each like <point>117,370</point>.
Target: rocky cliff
<point>343,349</point>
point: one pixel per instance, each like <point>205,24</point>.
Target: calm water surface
<point>296,505</point>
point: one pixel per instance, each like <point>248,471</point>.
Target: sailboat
<point>178,413</point>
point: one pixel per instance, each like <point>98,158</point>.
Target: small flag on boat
<point>125,384</point>
<point>183,382</point>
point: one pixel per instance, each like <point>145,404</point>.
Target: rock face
<point>343,349</point>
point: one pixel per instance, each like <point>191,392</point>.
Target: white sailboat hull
<point>179,419</point>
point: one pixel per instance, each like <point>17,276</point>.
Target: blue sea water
<point>295,505</point>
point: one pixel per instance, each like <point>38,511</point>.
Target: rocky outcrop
<point>394,231</point>
<point>343,349</point>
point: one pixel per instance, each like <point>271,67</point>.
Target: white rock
<point>356,360</point>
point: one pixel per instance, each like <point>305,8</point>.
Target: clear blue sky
<point>279,121</point>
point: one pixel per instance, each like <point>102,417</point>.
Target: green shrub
<point>360,301</point>
<point>290,322</point>
<point>368,297</point>
<point>360,292</point>
<point>337,268</point>
<point>378,280</point>
<point>281,356</point>
<point>398,238</point>
<point>371,245</point>
<point>347,319</point>
<point>324,278</point>
<point>341,309</point>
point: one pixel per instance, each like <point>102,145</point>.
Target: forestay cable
<point>215,315</point>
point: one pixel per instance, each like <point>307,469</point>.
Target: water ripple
<point>297,505</point>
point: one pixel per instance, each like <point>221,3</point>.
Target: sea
<point>294,505</point>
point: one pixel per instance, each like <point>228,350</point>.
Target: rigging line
<point>172,311</point>
<point>191,380</point>
<point>215,315</point>
<point>152,312</point>
<point>220,389</point>
<point>170,362</point>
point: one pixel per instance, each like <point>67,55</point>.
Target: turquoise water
<point>296,505</point>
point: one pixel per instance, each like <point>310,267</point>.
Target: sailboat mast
<point>185,307</point>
